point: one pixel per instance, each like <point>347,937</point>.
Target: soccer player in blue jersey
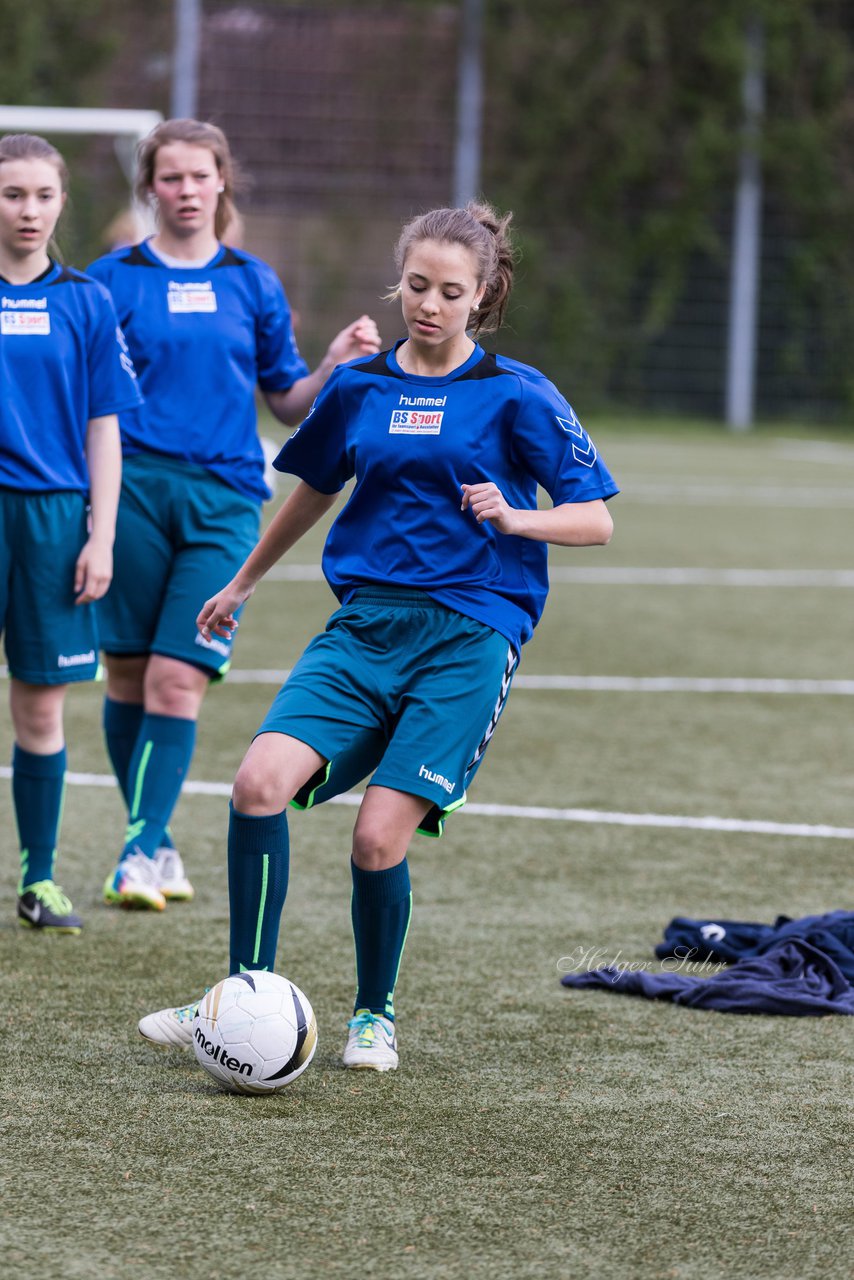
<point>64,374</point>
<point>205,324</point>
<point>439,561</point>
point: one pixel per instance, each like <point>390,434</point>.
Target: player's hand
<point>216,616</point>
<point>93,571</point>
<point>486,502</point>
<point>361,338</point>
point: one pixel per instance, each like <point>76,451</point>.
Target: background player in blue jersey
<point>64,374</point>
<point>439,561</point>
<point>205,324</point>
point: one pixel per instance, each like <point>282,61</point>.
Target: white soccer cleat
<point>135,883</point>
<point>170,1028</point>
<point>173,881</point>
<point>371,1044</point>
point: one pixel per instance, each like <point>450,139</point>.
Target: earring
<point>220,190</point>
<point>474,308</point>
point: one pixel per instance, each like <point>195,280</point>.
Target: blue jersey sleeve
<point>550,444</point>
<point>317,452</point>
<point>112,378</point>
<point>280,364</point>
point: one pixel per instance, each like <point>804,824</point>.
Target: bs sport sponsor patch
<point>418,415</point>
<point>583,448</point>
<point>30,316</point>
<point>183,297</point>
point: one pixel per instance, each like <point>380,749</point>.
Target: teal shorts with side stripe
<point>181,535</point>
<point>400,687</point>
<point>48,638</point>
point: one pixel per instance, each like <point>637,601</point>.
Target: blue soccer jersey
<point>202,338</point>
<point>63,360</point>
<point>411,442</point>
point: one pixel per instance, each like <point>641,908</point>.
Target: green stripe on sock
<point>265,859</point>
<point>140,778</point>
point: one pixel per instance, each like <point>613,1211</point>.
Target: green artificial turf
<point>531,1131</point>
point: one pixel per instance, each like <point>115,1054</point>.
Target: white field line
<point>615,684</point>
<point>722,494</point>
<point>823,451</point>
<point>540,813</point>
<point>628,575</point>
<point>620,684</point>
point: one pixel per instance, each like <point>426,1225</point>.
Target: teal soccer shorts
<point>399,686</point>
<point>48,638</point>
<point>181,535</point>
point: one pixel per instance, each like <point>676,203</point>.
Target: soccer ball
<point>254,1032</point>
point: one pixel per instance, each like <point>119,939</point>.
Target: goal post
<point>126,127</point>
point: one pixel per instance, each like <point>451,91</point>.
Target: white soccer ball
<point>254,1032</point>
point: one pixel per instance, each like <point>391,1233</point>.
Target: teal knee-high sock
<point>122,722</point>
<point>38,788</point>
<point>381,909</point>
<point>160,763</point>
<point>258,865</point>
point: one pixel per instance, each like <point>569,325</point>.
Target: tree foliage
<point>51,49</point>
<point>613,131</point>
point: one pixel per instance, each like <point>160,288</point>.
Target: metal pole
<point>469,104</point>
<point>746,242</point>
<point>185,59</point>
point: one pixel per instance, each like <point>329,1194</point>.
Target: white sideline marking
<point>538,812</point>
<point>614,684</point>
<point>814,451</point>
<point>621,684</point>
<point>628,575</point>
<point>725,495</point>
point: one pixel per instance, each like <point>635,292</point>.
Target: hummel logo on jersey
<point>28,304</point>
<point>585,451</point>
<point>24,316</point>
<point>421,416</point>
<point>198,296</point>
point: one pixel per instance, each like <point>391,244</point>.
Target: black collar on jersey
<point>42,276</point>
<point>486,367</point>
<point>225,257</point>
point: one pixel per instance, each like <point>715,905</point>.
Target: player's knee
<point>174,691</point>
<point>38,721</point>
<point>126,679</point>
<point>258,791</point>
<point>374,847</point>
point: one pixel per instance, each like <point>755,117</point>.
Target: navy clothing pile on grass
<point>797,967</point>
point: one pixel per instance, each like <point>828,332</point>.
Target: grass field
<point>531,1130</point>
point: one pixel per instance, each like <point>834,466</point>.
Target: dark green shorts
<point>48,638</point>
<point>181,535</point>
<point>398,686</point>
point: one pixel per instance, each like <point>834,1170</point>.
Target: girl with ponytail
<point>438,560</point>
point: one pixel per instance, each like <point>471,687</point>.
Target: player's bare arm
<point>569,524</point>
<point>361,338</point>
<point>300,511</point>
<point>94,569</point>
